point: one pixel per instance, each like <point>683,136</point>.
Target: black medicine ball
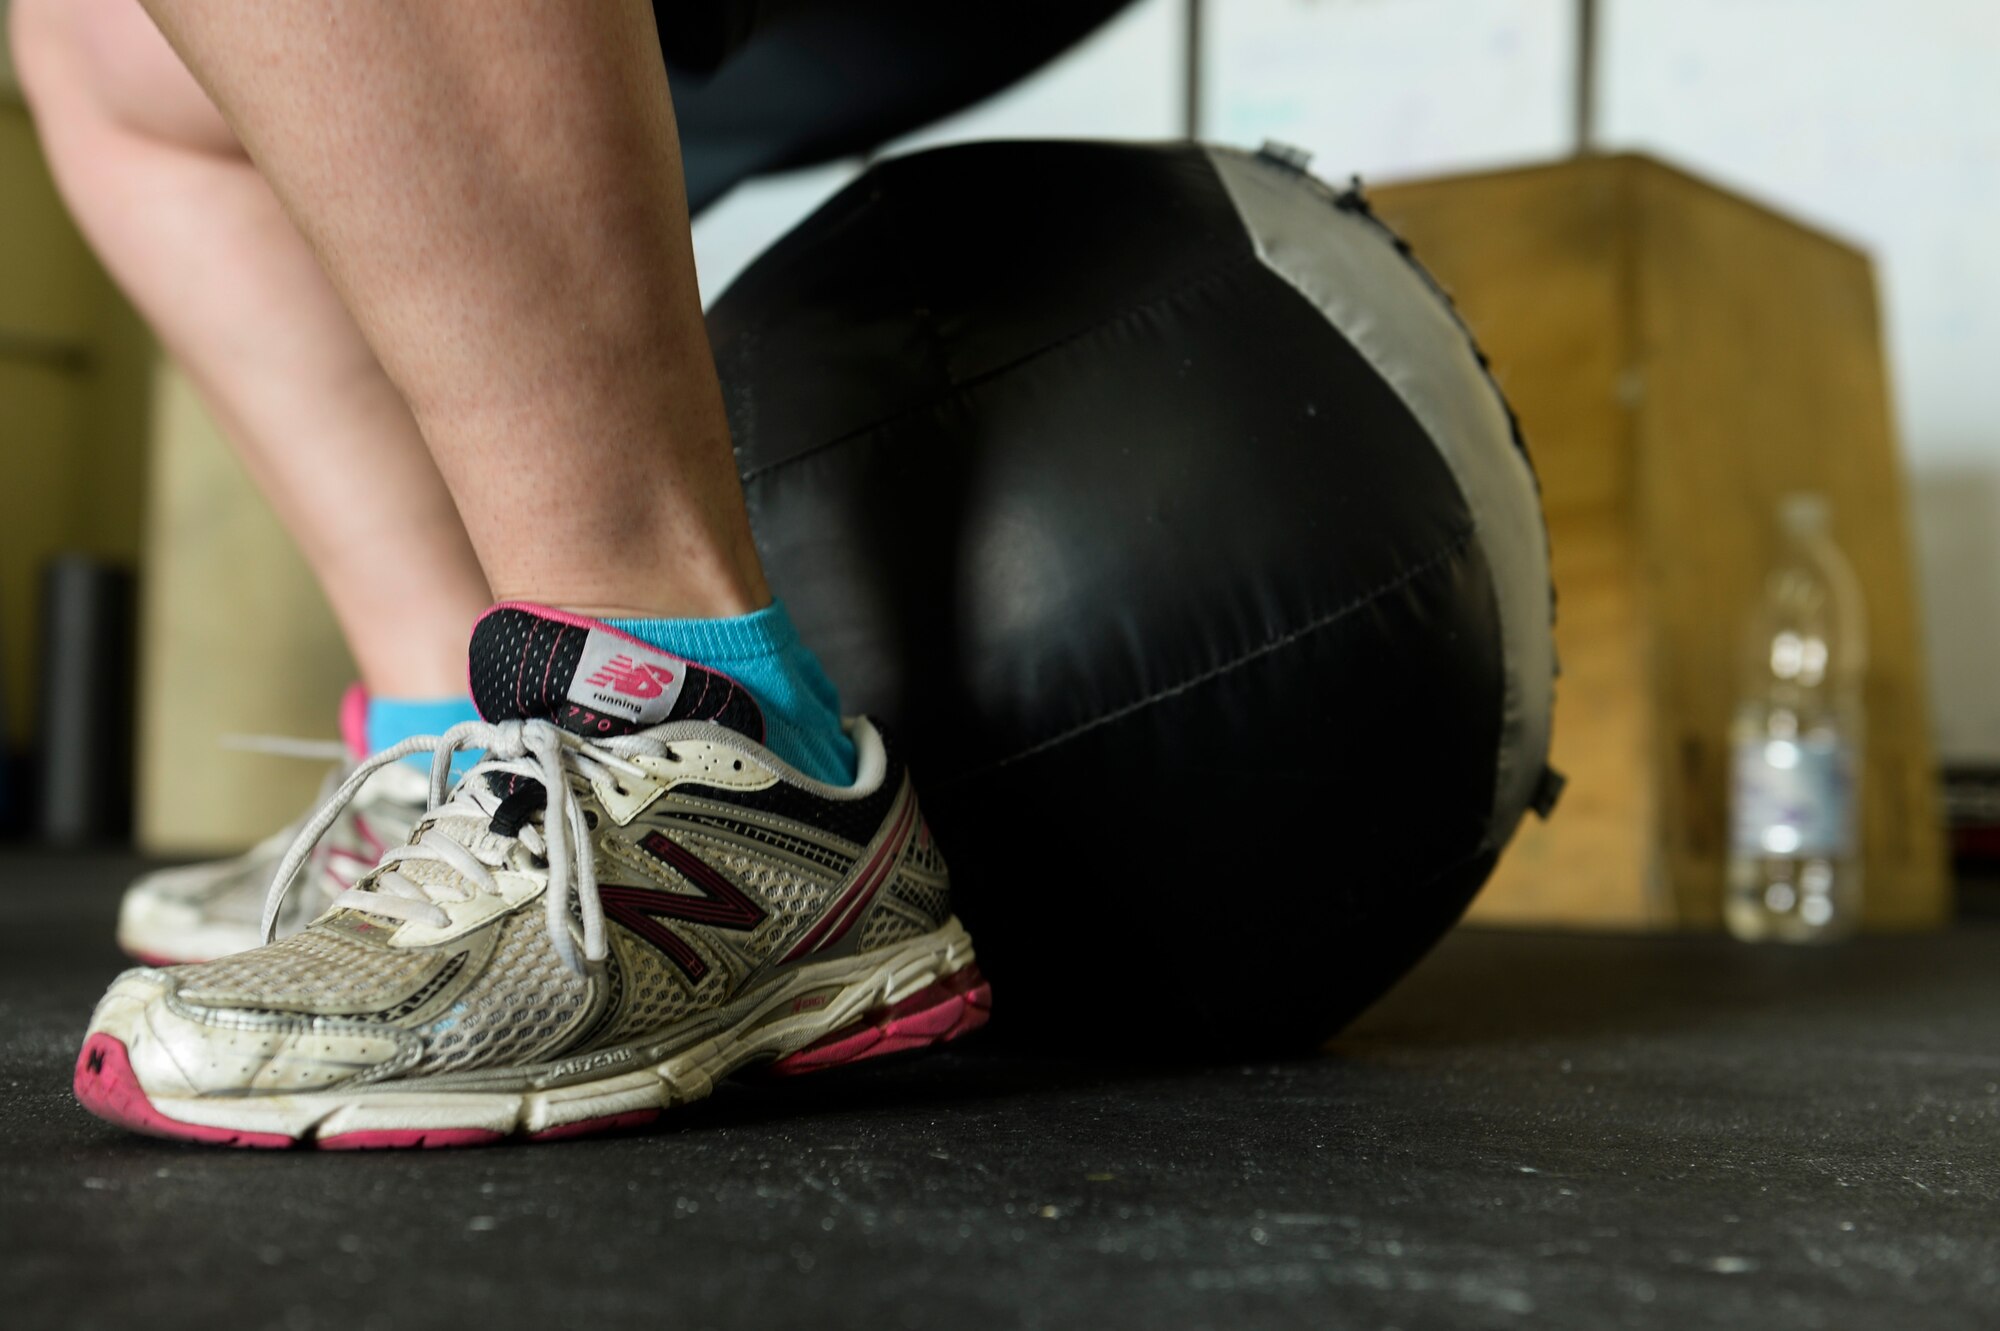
<point>1161,506</point>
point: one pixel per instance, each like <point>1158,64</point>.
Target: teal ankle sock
<point>393,720</point>
<point>762,652</point>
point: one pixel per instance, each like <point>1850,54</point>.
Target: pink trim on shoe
<point>943,1010</point>
<point>575,621</point>
<point>107,1087</point>
<point>391,1139</point>
<point>588,1127</point>
<point>354,720</point>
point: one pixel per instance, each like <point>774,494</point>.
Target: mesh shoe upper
<point>714,866</point>
<point>625,900</point>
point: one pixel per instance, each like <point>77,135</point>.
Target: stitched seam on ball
<point>1360,602</point>
<point>959,387</point>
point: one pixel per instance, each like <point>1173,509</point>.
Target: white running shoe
<point>626,900</point>
<point>197,912</point>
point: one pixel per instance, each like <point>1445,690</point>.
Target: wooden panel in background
<point>73,362</point>
<point>236,638</point>
<point>1763,373</point>
<point>1679,358</point>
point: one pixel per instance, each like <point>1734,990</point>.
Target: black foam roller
<point>84,715</point>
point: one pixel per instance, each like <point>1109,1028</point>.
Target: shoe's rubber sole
<point>910,1001</point>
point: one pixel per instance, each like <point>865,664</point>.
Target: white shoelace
<point>537,750</point>
<point>286,746</point>
<point>323,874</point>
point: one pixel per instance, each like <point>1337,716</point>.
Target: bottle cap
<point>1805,513</point>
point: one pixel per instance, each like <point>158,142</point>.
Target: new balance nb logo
<point>622,675</point>
<point>721,905</point>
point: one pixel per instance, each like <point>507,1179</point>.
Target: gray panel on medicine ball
<point>1352,269</point>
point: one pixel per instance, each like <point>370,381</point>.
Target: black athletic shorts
<point>768,85</point>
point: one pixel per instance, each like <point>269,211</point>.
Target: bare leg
<point>196,238</point>
<point>496,191</point>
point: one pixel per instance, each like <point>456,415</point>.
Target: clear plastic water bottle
<point>1794,799</point>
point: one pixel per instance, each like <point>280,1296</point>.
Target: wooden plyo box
<point>1679,358</point>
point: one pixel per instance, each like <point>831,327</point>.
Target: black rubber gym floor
<point>1533,1131</point>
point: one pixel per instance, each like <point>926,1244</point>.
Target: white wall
<point>1392,88</point>
<point>1123,82</point>
<point>742,223</point>
<point>1879,122</point>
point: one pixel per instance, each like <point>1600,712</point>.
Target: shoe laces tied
<point>536,750</point>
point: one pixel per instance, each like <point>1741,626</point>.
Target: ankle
<point>722,592</point>
<point>761,652</point>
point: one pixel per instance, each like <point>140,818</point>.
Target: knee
<point>108,55</point>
